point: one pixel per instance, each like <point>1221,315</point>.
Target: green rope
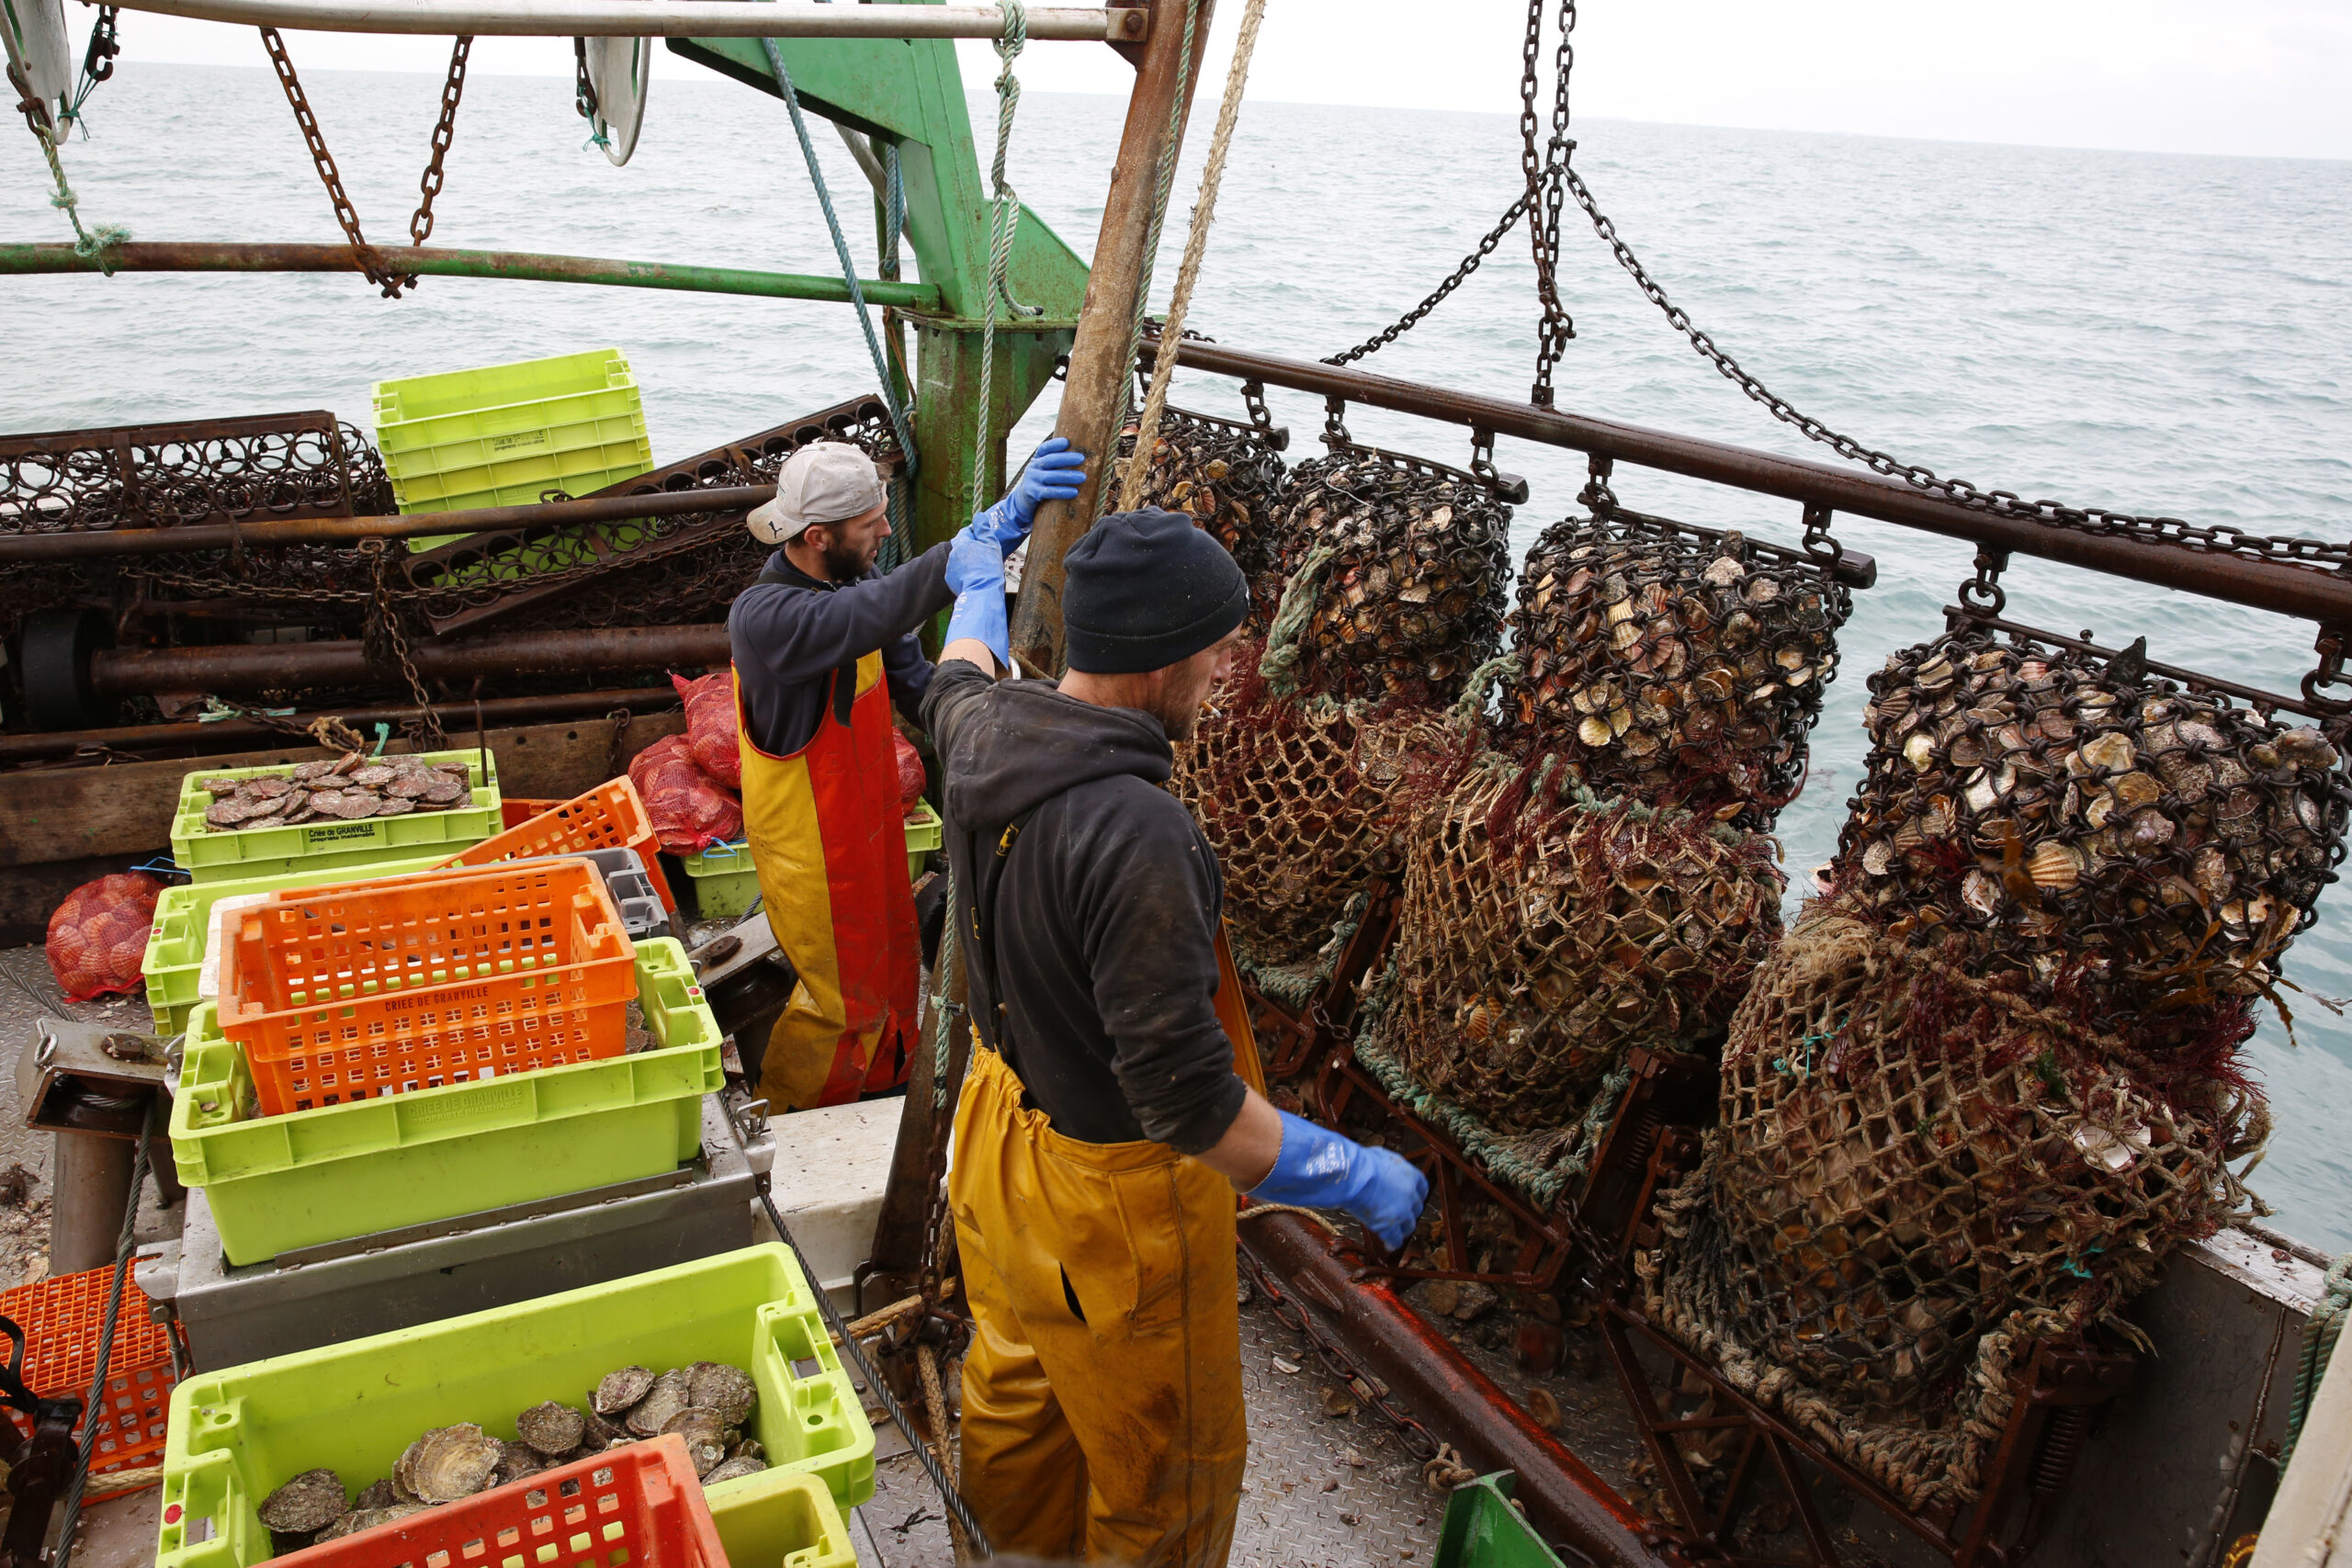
<point>841,249</point>
<point>1474,695</point>
<point>2319,1345</point>
<point>98,243</point>
<point>1286,631</point>
<point>1004,219</point>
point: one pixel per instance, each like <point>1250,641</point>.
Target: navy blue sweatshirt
<point>1107,915</point>
<point>788,639</point>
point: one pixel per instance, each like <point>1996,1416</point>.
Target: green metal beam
<point>526,267</point>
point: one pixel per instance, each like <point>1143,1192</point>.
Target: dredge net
<point>1227,478</point>
<point>1544,932</point>
<point>1683,670</point>
<point>1919,1169</point>
<point>1400,565</point>
<point>2099,829</point>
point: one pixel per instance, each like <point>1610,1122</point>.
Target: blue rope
<point>841,249</point>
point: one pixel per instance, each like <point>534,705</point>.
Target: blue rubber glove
<point>1054,473</point>
<point>1319,1169</point>
<point>976,576</point>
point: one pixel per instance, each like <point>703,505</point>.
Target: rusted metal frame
<point>22,549</point>
<point>1956,615</point>
<point>123,442</point>
<point>1561,1495</point>
<point>1551,1237</point>
<point>1509,488</point>
<point>260,666</point>
<point>2310,593</point>
<point>678,18</point>
<point>229,733</point>
<point>1852,567</point>
<point>2055,1376</point>
<point>1331,1011</point>
<point>1670,1091</point>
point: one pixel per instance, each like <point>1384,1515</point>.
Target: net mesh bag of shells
<point>1679,669</point>
<point>1306,770</point>
<point>708,1404</point>
<point>1989,1081</point>
<point>1597,884</point>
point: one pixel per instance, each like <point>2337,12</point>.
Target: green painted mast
<point>909,94</point>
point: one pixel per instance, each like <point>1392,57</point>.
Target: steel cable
<point>71,1501</point>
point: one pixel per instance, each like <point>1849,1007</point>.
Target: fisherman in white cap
<point>824,648</point>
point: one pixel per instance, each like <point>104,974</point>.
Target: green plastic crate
<point>1483,1528</point>
<point>238,1434</point>
<point>276,1184</point>
<point>175,960</point>
<point>501,434</point>
<point>925,832</point>
<point>726,881</point>
<point>781,1519</point>
<point>327,844</point>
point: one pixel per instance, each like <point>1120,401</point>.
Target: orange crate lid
<point>359,989</point>
<point>610,816</point>
<point>639,1503</point>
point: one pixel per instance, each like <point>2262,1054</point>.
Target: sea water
<point>2159,334</point>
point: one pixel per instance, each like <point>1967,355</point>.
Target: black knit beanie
<point>1144,590</point>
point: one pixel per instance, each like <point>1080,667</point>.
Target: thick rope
<point>1280,665</point>
<point>2319,1345</point>
<point>1197,245</point>
<point>841,249</point>
<point>1004,219</point>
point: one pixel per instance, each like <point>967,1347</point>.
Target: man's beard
<point>845,563</point>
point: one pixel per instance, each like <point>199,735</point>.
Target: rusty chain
<point>443,131</point>
<point>384,642</point>
<point>1437,296</point>
<point>1442,1467</point>
<point>1545,174</point>
<point>371,260</point>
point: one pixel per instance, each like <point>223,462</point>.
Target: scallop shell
<point>551,1428</point>
<point>706,1435</point>
<point>1920,751</point>
<point>451,1462</point>
<point>734,1469</point>
<point>617,1391</point>
<point>2112,752</point>
<point>312,1500</point>
<point>668,1395</point>
<point>1879,858</point>
<point>1981,893</point>
<point>728,1390</point>
<point>2055,865</point>
<point>1595,731</point>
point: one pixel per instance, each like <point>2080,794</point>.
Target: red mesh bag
<point>910,778</point>
<point>690,810</point>
<point>97,937</point>
<point>710,726</point>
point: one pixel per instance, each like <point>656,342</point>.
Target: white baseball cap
<point>826,481</point>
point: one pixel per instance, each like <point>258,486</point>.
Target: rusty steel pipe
<point>679,18</point>
<point>250,667</point>
<point>1563,1498</point>
<point>229,734</point>
<point>88,546</point>
<point>2314,593</point>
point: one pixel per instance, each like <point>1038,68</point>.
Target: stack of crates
<point>62,1318</point>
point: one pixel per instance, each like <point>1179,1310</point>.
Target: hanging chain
<point>1335,421</point>
<point>1546,179</point>
<point>383,641</point>
<point>1818,542</point>
<point>1412,317</point>
<point>1983,592</point>
<point>421,224</point>
<point>371,260</point>
<point>1262,419</point>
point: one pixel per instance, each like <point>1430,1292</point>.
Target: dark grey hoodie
<point>1106,911</point>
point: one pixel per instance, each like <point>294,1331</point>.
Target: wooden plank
<point>124,809</point>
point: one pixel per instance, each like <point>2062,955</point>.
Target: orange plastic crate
<point>610,816</point>
<point>62,1318</point>
<point>367,989</point>
<point>513,813</point>
<point>637,1505</point>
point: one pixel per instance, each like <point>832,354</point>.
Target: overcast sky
<point>2271,77</point>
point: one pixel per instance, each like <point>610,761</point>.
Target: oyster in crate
<point>728,1390</point>
<point>552,1428</point>
<point>619,1390</point>
<point>449,1462</point>
<point>669,1395</point>
<point>312,1500</point>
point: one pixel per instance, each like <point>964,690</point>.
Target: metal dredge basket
<point>1683,669</point>
<point>2101,828</point>
<point>1228,477</point>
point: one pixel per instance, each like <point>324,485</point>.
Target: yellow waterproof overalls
<point>830,842</point>
<point>1102,1413</point>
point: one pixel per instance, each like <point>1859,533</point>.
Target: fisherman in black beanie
<point>1102,1128</point>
